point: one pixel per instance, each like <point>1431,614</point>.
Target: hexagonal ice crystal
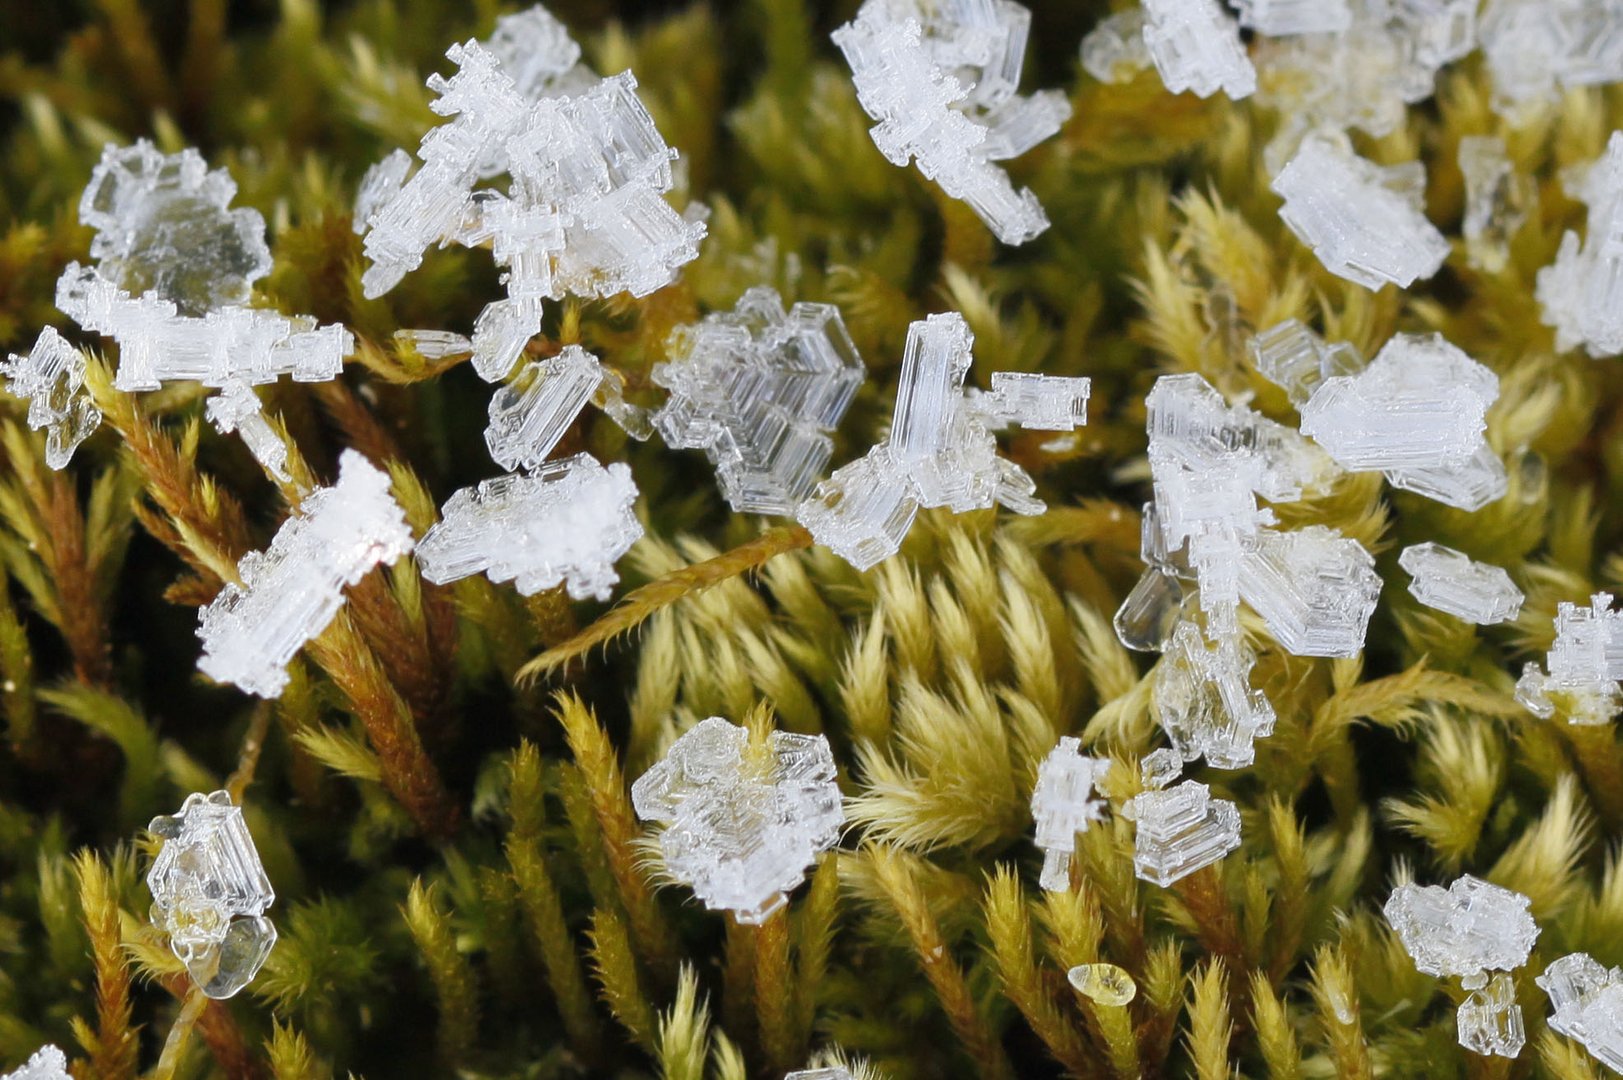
<point>1180,830</point>
<point>1280,17</point>
<point>1450,581</point>
<point>835,1073</point>
<point>1314,588</point>
<point>1490,1021</point>
<point>863,511</point>
<point>1496,199</point>
<point>742,823</point>
<point>51,378</point>
<point>1581,293</point>
<point>530,414</point>
<point>1063,804</point>
<point>1466,929</point>
<point>1587,1005</point>
<point>1585,665</point>
<point>1114,50</point>
<point>237,408</point>
<point>47,1063</point>
<point>210,893</point>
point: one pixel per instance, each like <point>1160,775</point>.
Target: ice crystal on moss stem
<point>1581,293</point>
<point>47,1063</point>
<point>1205,702</point>
<point>529,415</point>
<point>1466,929</point>
<point>237,408</point>
<point>1585,665</point>
<point>51,378</point>
<point>1063,805</point>
<point>1180,830</point>
<point>1586,1000</point>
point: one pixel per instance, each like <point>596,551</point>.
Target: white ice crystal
<point>1180,830</point>
<point>1281,17</point>
<point>1364,222</point>
<point>1585,665</point>
<point>863,511</point>
<point>940,79</point>
<point>530,414</point>
<point>1036,402</point>
<point>47,1063</point>
<point>1537,48</point>
<point>1586,1000</point>
<point>1204,700</point>
<point>1450,581</point>
<point>742,823</point>
<point>210,893</point>
<point>1490,1021</point>
<point>1581,293</point>
<point>566,522</point>
<point>1196,46</point>
<point>759,389</point>
<point>51,378</point>
<point>237,408</point>
<point>1063,804</point>
<point>433,344</point>
<point>1496,199</point>
<point>1114,50</point>
<point>291,591</point>
<point>1467,929</point>
<point>1314,588</point>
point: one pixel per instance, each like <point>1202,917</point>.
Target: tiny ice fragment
<point>1063,805</point>
<point>1038,402</point>
<point>1146,619</point>
<point>1204,700</point>
<point>1490,1021</point>
<point>1314,588</point>
<point>210,893</point>
<point>1585,665</point>
<point>530,414</point>
<point>1197,47</point>
<point>1496,200</point>
<point>742,822</point>
<point>433,344</point>
<point>1160,767</point>
<point>1180,830</point>
<point>863,511</point>
<point>51,378</point>
<point>1355,217</point>
<point>1466,929</point>
<point>1114,50</point>
<point>47,1063</point>
<point>1106,984</point>
<point>1450,581</point>
<point>567,522</point>
<point>1581,293</point>
<point>1587,1005</point>
<point>237,408</point>
<point>291,591</point>
<point>1281,17</point>
<point>1297,360</point>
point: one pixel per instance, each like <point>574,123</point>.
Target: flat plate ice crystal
<point>1196,46</point>
<point>1180,830</point>
<point>210,893</point>
<point>51,378</point>
<point>1585,665</point>
<point>1450,581</point>
<point>1466,929</point>
<point>530,414</point>
<point>1063,804</point>
<point>1280,17</point>
<point>742,824</point>
<point>47,1063</point>
<point>289,592</point>
<point>1586,1002</point>
<point>1314,588</point>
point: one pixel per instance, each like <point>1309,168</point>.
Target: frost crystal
<point>237,408</point>
<point>1280,17</point>
<point>758,389</point>
<point>1581,293</point>
<point>47,1063</point>
<point>1490,1021</point>
<point>863,511</point>
<point>1037,402</point>
<point>164,228</point>
<point>1196,46</point>
<point>1114,51</point>
<point>742,822</point>
<point>1587,1004</point>
<point>529,415</point>
<point>1450,581</point>
<point>1496,199</point>
<point>210,893</point>
<point>291,591</point>
<point>1536,48</point>
<point>1297,360</point>
<point>1365,223</point>
<point>943,93</point>
<point>1180,830</point>
<point>433,344</point>
<point>1314,588</point>
<point>1586,664</point>
<point>51,378</point>
<point>1466,929</point>
<point>1205,702</point>
<point>1063,805</point>
<point>567,522</point>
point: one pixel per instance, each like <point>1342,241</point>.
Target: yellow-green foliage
<point>441,796</point>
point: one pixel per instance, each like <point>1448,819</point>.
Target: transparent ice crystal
<point>1496,201</point>
<point>1466,929</point>
<point>863,511</point>
<point>1106,984</point>
<point>1586,1000</point>
<point>1364,222</point>
<point>1581,293</point>
<point>291,591</point>
<point>210,893</point>
<point>1585,665</point>
<point>1063,804</point>
<point>939,76</point>
<point>1280,17</point>
<point>47,1063</point>
<point>1114,50</point>
<point>1314,588</point>
<point>1196,46</point>
<point>530,414</point>
<point>1297,360</point>
<point>1450,581</point>
<point>434,344</point>
<point>164,228</point>
<point>1036,402</point>
<point>742,823</point>
<point>1490,1021</point>
<point>1535,49</point>
<point>758,389</point>
<point>1180,830</point>
<point>51,378</point>
<point>566,522</point>
<point>1205,702</point>
<point>237,408</point>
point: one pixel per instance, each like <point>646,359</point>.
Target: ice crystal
<point>1450,581</point>
<point>47,1063</point>
<point>1496,199</point>
<point>1205,702</point>
<point>1537,48</point>
<point>1586,1000</point>
<point>164,228</point>
<point>1106,984</point>
<point>1280,17</point>
<point>742,822</point>
<point>1036,402</point>
<point>291,591</point>
<point>944,98</point>
<point>1581,293</point>
<point>1466,929</point>
<point>758,389</point>
<point>1196,46</point>
<point>530,414</point>
<point>210,893</point>
<point>1490,1021</point>
<point>1180,830</point>
<point>434,344</point>
<point>1585,665</point>
<point>237,408</point>
<point>1314,588</point>
<point>1063,804</point>
<point>1364,222</point>
<point>51,378</point>
<point>1298,360</point>
<point>863,511</point>
<point>567,522</point>
<point>1114,50</point>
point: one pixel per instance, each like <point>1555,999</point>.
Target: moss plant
<point>441,795</point>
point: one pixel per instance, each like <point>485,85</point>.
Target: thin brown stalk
<point>219,1032</point>
<point>774,994</point>
<point>248,756</point>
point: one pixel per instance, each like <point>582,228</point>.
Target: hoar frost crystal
<point>1063,804</point>
<point>1467,929</point>
<point>47,1063</point>
<point>1586,1000</point>
<point>51,378</point>
<point>1450,581</point>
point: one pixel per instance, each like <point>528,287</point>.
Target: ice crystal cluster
<point>1535,49</point>
<point>1114,50</point>
<point>941,451</point>
<point>1581,293</point>
<point>758,389</point>
<point>1586,1002</point>
<point>1180,830</point>
<point>1585,666</point>
<point>1451,581</point>
<point>941,77</point>
<point>47,1063</point>
<point>210,893</point>
<point>742,822</point>
<point>289,592</point>
<point>1196,46</point>
<point>51,378</point>
<point>1063,804</point>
